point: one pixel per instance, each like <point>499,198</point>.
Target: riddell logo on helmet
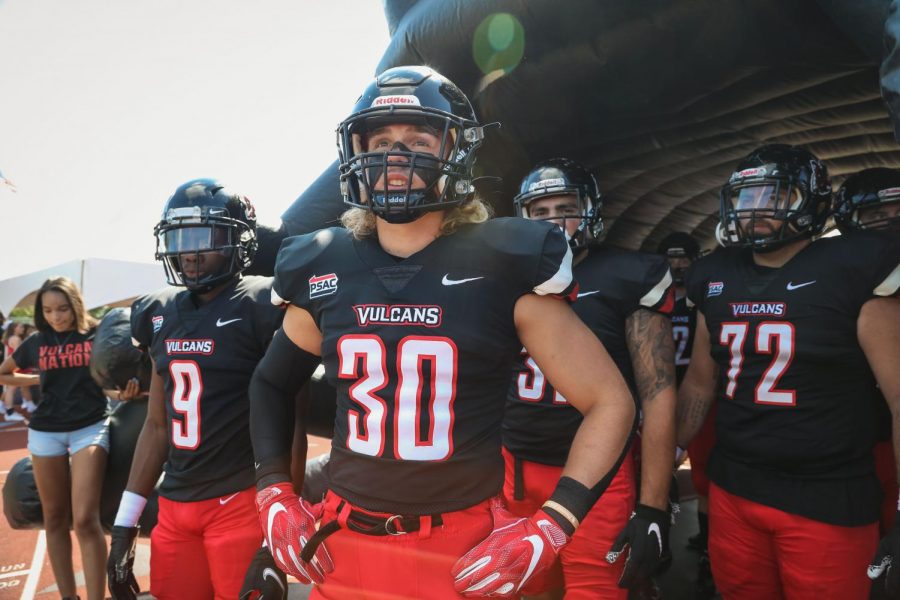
<point>894,191</point>
<point>546,183</point>
<point>754,172</point>
<point>406,100</point>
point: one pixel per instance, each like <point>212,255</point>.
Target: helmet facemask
<point>190,240</point>
<point>749,207</point>
<point>400,182</point>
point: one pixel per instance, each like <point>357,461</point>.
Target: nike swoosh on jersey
<point>654,529</point>
<point>224,501</point>
<point>580,294</point>
<point>447,281</point>
<point>221,323</point>
<point>791,287</point>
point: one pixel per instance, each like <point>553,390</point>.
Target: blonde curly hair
<point>360,222</point>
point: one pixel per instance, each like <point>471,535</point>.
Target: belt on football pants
<point>369,523</point>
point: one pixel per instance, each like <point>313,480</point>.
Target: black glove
<point>120,566</point>
<point>647,532</point>
<point>264,581</point>
<point>881,563</point>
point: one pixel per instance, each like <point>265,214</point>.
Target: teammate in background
<point>68,435</point>
<point>870,200</point>
<point>204,342</point>
<point>625,299</point>
<point>417,308</point>
<point>789,333</point>
<point>682,250</point>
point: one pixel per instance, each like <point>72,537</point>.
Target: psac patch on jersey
<point>715,289</point>
<point>322,285</point>
<point>157,323</point>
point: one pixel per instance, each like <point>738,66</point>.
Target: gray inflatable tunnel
<point>660,99</point>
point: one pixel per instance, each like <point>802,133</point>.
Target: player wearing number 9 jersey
<point>789,333</point>
<point>417,310</point>
<point>204,342</point>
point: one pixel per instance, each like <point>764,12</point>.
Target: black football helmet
<point>679,245</point>
<point>417,96</point>
<point>779,182</point>
<point>203,217</point>
<point>869,199</point>
<point>561,177</point>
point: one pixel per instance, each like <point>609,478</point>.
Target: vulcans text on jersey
<point>398,314</point>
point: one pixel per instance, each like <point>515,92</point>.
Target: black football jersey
<point>206,356</point>
<point>684,321</point>
<point>795,423</point>
<point>539,424</point>
<point>420,350</point>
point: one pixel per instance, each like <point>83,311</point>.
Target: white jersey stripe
<point>653,297</point>
<point>561,280</point>
<point>890,285</point>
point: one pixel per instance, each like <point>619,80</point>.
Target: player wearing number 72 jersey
<point>789,333</point>
<point>204,342</point>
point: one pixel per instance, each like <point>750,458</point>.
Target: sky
<point>106,106</point>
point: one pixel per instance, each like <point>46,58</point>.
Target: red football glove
<point>288,522</point>
<point>512,558</point>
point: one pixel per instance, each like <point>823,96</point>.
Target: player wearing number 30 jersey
<point>794,329</point>
<point>204,342</point>
<point>417,310</point>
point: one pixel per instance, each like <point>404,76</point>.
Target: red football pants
<point>699,450</point>
<point>886,470</point>
<point>201,550</point>
<point>759,552</point>
<point>400,567</point>
<point>582,566</point>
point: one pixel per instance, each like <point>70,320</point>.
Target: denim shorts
<point>60,443</point>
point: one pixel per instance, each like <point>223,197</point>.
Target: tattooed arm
<point>649,339</point>
<point>698,388</point>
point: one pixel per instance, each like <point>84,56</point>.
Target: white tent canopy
<point>103,282</point>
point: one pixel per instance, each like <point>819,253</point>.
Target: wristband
<point>130,508</point>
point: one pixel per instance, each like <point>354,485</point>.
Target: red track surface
<point>25,571</point>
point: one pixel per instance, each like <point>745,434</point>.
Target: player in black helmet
<point>869,199</point>
<point>204,335</point>
<point>416,310</point>
<point>789,334</point>
<point>625,299</point>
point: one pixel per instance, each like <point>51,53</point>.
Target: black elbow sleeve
<point>278,377</point>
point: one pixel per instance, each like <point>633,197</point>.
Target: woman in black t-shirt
<point>70,420</point>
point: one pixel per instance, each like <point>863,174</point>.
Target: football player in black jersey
<point>204,342</point>
<point>625,299</point>
<point>682,250</point>
<point>791,337</point>
<point>417,309</point>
